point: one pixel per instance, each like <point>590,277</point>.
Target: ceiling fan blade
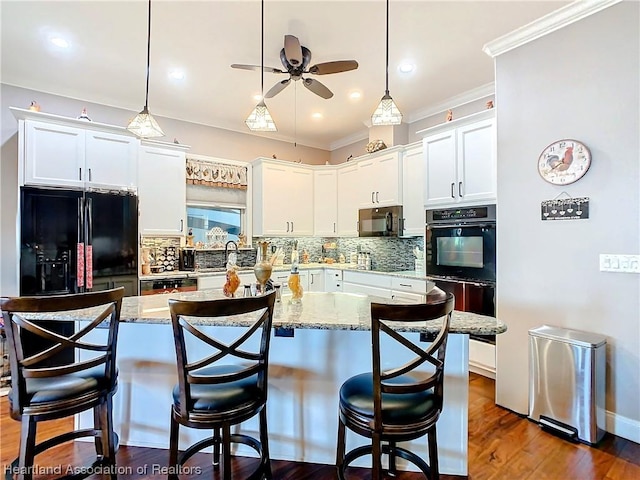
<point>277,88</point>
<point>292,50</point>
<point>333,67</point>
<point>256,67</point>
<point>316,87</point>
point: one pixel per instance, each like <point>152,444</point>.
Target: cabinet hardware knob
<point>287,226</point>
<point>181,225</point>
<point>452,187</point>
<point>80,173</point>
<point>377,197</point>
<point>372,200</point>
<point>460,189</point>
<point>89,174</point>
<point>291,227</point>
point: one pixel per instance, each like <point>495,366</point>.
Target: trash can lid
<point>577,337</point>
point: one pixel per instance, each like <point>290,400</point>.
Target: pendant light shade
<point>144,125</point>
<point>259,120</point>
<point>387,112</point>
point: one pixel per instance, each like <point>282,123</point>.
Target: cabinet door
<point>299,202</point>
<point>316,280</point>
<point>271,185</point>
<point>54,155</point>
<point>332,280</point>
<point>161,191</point>
<point>413,191</point>
<point>111,160</point>
<point>386,180</point>
<point>348,200</point>
<point>325,203</point>
<point>476,162</point>
<point>440,169</point>
<point>407,297</point>
<point>367,172</point>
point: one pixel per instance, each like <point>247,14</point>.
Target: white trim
<point>343,142</point>
<point>547,24</point>
<point>622,426</point>
<point>469,96</point>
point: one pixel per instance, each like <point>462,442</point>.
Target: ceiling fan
<point>295,59</point>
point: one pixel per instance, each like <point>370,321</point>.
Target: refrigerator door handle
<point>89,247</point>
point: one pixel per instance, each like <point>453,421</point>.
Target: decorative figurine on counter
<point>242,240</point>
<point>294,278</point>
<point>233,281</point>
<point>190,238</point>
<point>305,256</point>
<point>34,107</point>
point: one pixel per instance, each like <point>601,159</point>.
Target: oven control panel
<point>485,213</point>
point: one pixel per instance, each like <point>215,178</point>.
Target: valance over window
<point>213,174</point>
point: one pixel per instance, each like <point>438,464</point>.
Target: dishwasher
<point>156,286</point>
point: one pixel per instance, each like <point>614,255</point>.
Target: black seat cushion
<point>224,396</point>
<point>62,387</point>
<point>356,394</point>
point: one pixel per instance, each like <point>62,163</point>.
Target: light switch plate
<point>610,262</point>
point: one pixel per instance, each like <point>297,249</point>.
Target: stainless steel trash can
<point>567,382</point>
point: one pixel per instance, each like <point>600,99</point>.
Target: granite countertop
<point>318,310</point>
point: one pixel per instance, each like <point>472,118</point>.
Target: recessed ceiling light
<point>177,74</point>
<point>316,115</point>
<point>59,42</point>
<point>406,67</point>
<point>355,95</point>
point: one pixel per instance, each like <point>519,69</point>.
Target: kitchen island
<point>317,345</point>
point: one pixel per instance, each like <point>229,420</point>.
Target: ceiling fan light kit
<point>387,112</point>
<point>144,125</point>
<point>260,120</point>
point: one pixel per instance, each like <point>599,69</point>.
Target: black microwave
<point>380,222</point>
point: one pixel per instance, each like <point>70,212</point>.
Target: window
<point>202,218</point>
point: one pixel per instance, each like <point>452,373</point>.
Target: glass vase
<point>262,268</point>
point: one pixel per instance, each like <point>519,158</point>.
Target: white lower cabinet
<point>316,281</point>
<point>332,280</point>
<point>367,284</point>
<point>482,358</point>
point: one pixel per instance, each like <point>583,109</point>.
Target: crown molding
<point>343,142</point>
<point>545,25</point>
<point>462,99</point>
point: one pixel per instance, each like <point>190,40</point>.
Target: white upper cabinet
<point>460,161</point>
<point>53,154</point>
<point>413,190</point>
<point>381,180</point>
<point>111,159</point>
<point>349,184</point>
<point>66,152</point>
<point>325,202</point>
<point>162,189</point>
<point>282,199</point>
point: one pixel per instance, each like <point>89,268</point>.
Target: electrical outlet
<point>610,262</point>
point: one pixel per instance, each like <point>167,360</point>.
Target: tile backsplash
<point>387,254</point>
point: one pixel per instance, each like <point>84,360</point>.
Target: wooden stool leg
<point>216,448</point>
<point>97,424</point>
<point>226,451</point>
<point>433,454</point>
<point>393,470</point>
<point>264,442</point>
<point>340,451</point>
<point>27,447</point>
<point>173,446</point>
<point>376,454</point>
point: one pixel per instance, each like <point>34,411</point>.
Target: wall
<point>203,140</point>
<point>580,82</point>
<point>356,149</point>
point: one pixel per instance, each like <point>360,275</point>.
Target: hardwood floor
<point>502,445</point>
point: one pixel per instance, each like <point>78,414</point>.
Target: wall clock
<point>564,162</point>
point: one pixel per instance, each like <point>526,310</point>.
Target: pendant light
<point>387,112</point>
<point>259,120</point>
<point>144,125</point>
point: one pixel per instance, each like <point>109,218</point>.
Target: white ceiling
<point>106,62</point>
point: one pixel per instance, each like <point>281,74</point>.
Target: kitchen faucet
<point>226,250</point>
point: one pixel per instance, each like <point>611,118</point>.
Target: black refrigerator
<point>71,241</point>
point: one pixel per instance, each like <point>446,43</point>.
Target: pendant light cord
<point>146,98</point>
<point>262,54</point>
<point>386,91</point>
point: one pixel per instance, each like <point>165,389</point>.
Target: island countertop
<point>318,311</point>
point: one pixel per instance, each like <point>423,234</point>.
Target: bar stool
<point>44,393</point>
<point>400,403</point>
<point>225,387</point>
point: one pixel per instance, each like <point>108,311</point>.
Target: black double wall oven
<point>460,256</point>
